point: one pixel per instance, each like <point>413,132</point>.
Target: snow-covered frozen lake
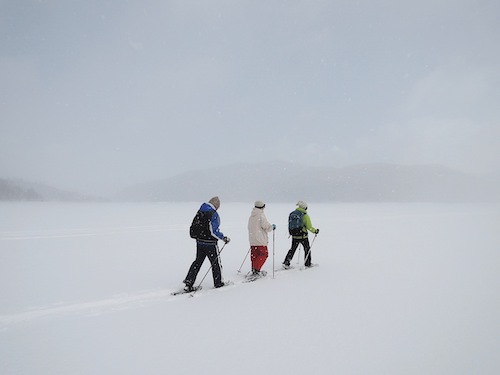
<point>401,289</point>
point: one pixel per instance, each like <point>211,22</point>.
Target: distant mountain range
<point>285,182</point>
<point>18,190</point>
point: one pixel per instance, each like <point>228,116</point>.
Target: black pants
<point>204,250</point>
<point>307,251</point>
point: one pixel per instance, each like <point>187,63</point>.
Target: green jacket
<point>306,220</point>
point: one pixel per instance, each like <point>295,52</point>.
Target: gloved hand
<point>226,239</point>
<point>317,231</point>
<point>274,226</point>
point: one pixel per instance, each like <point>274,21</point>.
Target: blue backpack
<point>295,223</point>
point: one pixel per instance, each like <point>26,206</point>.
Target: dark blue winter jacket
<point>213,225</point>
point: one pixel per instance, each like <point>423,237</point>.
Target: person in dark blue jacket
<point>205,229</point>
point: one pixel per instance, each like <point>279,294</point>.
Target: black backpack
<point>295,224</point>
<point>199,228</point>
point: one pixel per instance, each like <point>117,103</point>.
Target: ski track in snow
<point>116,303</point>
<point>93,308</point>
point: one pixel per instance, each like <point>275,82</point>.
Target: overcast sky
<point>96,94</point>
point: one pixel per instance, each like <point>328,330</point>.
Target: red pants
<point>258,255</point>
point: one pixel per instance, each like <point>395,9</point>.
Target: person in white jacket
<point>258,227</point>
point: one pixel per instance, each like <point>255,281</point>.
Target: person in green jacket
<point>299,224</point>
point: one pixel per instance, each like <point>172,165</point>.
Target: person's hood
<point>256,211</point>
<point>205,207</point>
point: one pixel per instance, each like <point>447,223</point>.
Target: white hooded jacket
<point>258,226</point>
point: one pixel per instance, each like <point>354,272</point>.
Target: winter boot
<point>188,288</point>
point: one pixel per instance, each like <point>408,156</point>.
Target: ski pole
<point>211,265</point>
<point>314,239</point>
<point>273,252</point>
<point>298,248</point>
<point>248,252</point>
<point>310,247</point>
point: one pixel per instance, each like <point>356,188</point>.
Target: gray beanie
<point>302,205</point>
<point>215,202</point>
<point>259,204</point>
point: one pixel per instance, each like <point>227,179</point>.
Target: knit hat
<point>215,202</point>
<point>302,205</point>
<point>259,204</point>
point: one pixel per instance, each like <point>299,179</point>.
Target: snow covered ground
<point>401,289</point>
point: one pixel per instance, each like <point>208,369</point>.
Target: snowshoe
<point>187,289</point>
<point>255,275</point>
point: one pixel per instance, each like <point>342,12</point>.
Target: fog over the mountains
<point>288,182</point>
<point>285,182</point>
